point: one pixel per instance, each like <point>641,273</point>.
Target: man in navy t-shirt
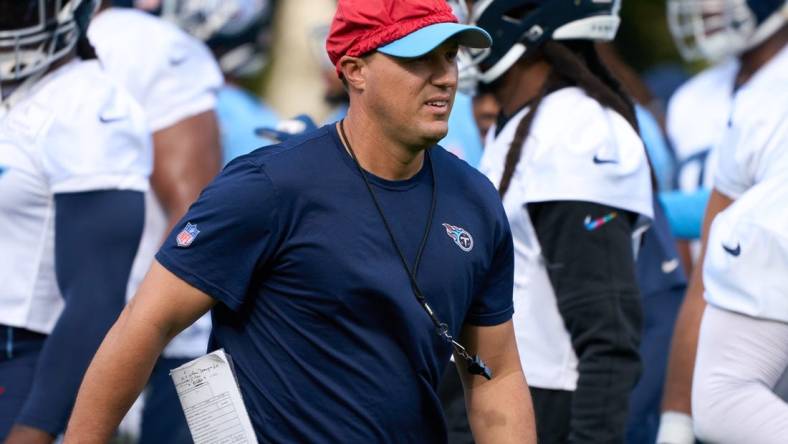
<point>340,264</point>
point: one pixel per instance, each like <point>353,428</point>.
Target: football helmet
<point>468,72</point>
<point>715,29</point>
<point>520,26</point>
<point>34,34</point>
<point>206,19</point>
<point>236,30</point>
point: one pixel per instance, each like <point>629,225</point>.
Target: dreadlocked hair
<point>520,134</point>
<point>574,63</point>
<point>85,49</point>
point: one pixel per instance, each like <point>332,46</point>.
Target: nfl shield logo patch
<point>187,235</point>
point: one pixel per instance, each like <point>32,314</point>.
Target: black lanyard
<point>475,364</point>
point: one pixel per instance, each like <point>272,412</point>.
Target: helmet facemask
<point>715,29</point>
<point>34,35</point>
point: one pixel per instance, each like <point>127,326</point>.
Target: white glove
<point>675,428</point>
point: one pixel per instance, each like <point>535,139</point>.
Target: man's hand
<point>499,410</point>
<point>163,306</point>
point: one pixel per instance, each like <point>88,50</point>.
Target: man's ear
<point>354,70</point>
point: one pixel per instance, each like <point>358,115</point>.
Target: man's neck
<point>756,58</point>
<point>377,152</point>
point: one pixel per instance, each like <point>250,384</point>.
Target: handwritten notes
<point>212,402</point>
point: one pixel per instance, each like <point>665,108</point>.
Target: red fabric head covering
<point>361,26</point>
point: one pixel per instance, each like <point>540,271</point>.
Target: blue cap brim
<point>424,40</point>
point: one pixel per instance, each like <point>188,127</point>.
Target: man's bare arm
<point>678,381</point>
<point>163,306</point>
<point>499,410</point>
<point>187,155</point>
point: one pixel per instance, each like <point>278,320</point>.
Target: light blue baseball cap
<point>424,40</point>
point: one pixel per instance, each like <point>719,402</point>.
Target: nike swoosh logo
<point>110,119</point>
<point>599,161</point>
<point>177,60</point>
<point>593,224</point>
<point>670,266</point>
<point>732,251</point>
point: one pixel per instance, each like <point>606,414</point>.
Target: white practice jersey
<point>74,131</point>
<point>697,116</point>
<point>755,146</point>
<point>576,150</point>
<point>746,264</point>
<point>173,76</point>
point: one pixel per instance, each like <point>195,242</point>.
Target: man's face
<point>412,98</point>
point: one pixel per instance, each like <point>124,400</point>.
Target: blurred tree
<point>643,39</point>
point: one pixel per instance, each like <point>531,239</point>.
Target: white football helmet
<point>468,78</point>
<point>715,29</point>
<point>204,19</point>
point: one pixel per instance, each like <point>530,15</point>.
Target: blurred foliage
<point>643,39</point>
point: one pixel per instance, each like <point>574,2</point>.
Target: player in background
<point>576,185</point>
<point>661,277</point>
<point>743,340</point>
<point>239,35</point>
<point>698,112</point>
<point>75,156</point>
<point>750,36</point>
<point>175,78</point>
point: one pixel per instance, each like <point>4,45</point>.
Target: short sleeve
<point>187,83</point>
<point>578,150</point>
<point>747,253</point>
<point>170,73</point>
<point>228,235</point>
<point>100,142</point>
<point>493,304</point>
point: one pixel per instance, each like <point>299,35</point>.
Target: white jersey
<point>746,264</point>
<point>697,116</point>
<point>74,131</point>
<point>754,146</point>
<point>173,76</point>
<point>576,150</point>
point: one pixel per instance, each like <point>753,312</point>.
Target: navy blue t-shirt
<point>315,307</point>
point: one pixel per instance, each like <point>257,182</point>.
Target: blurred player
<point>75,157</point>
<point>743,340</point>
<point>752,35</point>
<point>240,43</point>
<point>175,78</point>
<point>575,182</point>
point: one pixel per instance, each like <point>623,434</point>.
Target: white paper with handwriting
<point>212,401</point>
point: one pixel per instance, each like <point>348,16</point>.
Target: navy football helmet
<point>715,29</point>
<point>520,26</point>
<point>34,34</point>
